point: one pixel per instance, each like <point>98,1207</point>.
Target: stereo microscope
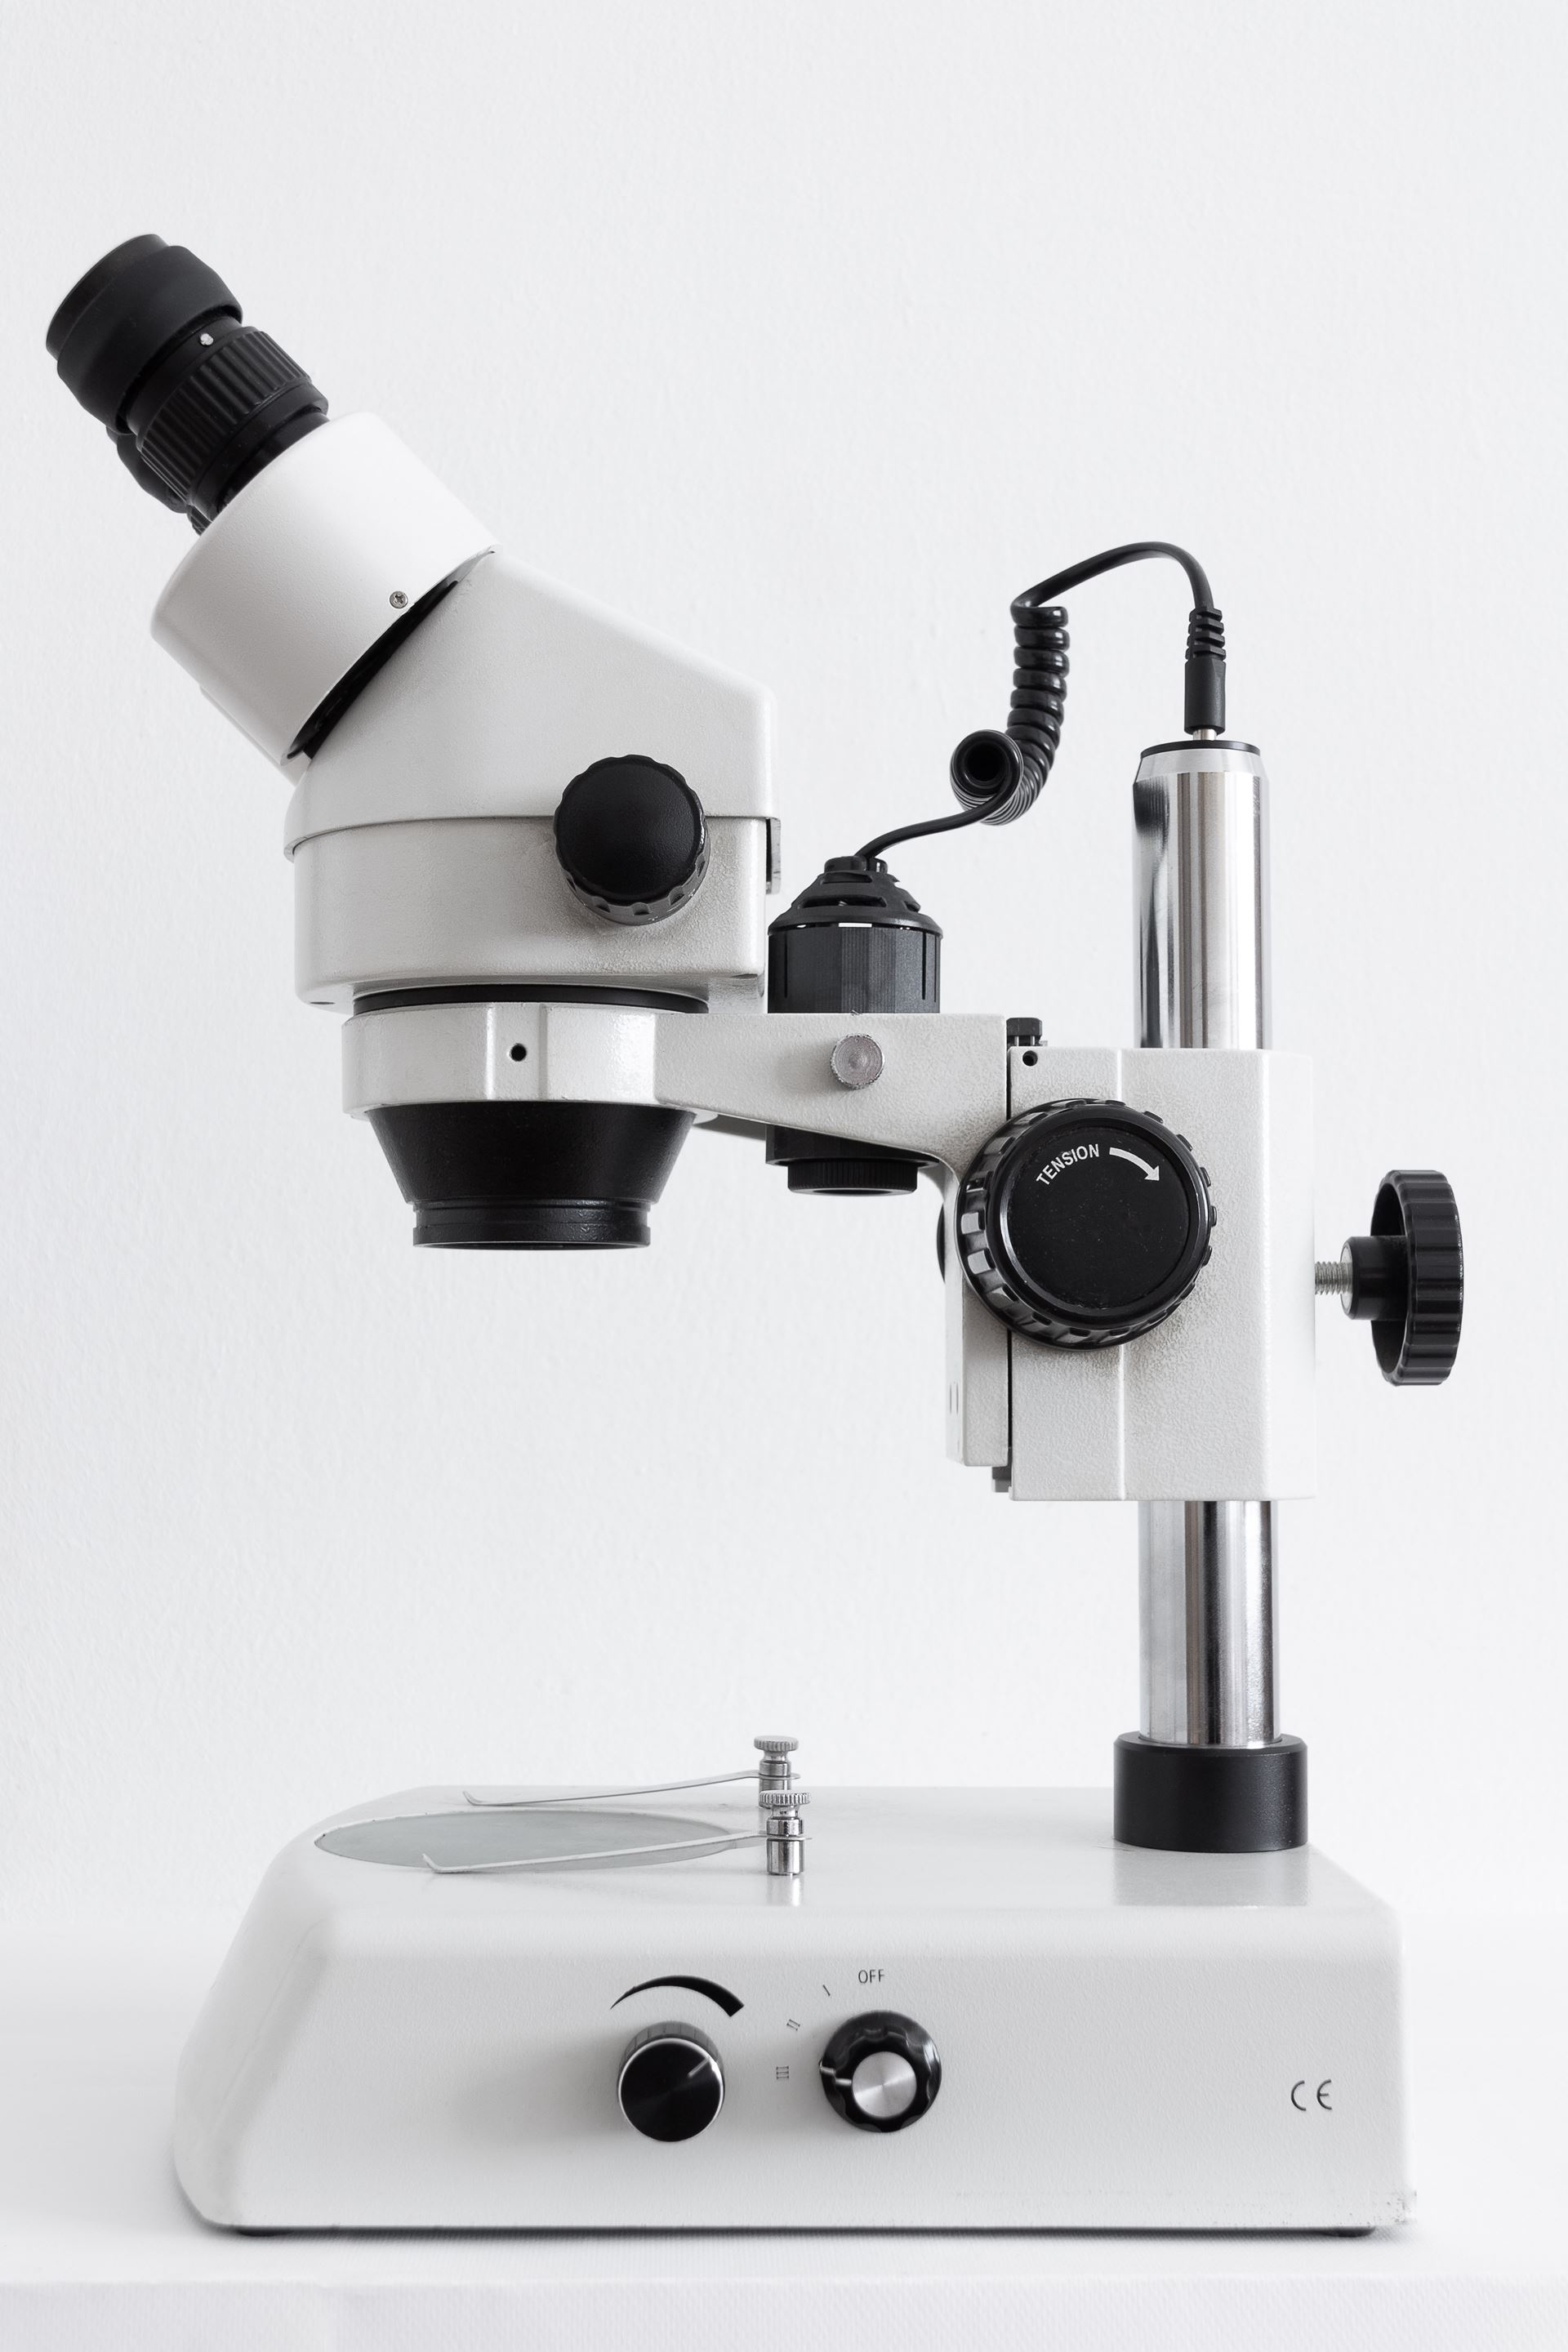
<point>531,848</point>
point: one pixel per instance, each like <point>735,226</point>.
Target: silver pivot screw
<point>857,1061</point>
<point>779,1798</point>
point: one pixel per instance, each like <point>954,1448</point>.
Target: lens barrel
<point>153,343</point>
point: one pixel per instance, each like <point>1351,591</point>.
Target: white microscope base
<point>1128,2040</point>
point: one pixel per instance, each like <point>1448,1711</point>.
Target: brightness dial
<point>670,2084</point>
<point>1085,1224</point>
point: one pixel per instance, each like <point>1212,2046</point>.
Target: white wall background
<point>809,335</point>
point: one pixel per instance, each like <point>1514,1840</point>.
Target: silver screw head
<point>857,1061</point>
<point>398,600</point>
<point>774,1744</point>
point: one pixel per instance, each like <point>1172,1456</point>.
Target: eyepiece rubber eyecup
<point>152,343</point>
<point>124,313</point>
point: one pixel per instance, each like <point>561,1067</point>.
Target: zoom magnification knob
<point>671,2084</point>
<point>881,2072</point>
<point>1085,1224</point>
<point>632,839</point>
<point>1406,1277</point>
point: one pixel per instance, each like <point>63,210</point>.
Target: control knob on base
<point>881,2072</point>
<point>670,2084</point>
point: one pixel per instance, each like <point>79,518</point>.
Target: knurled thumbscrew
<point>1406,1277</point>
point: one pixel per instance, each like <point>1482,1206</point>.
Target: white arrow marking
<point>1150,1172</point>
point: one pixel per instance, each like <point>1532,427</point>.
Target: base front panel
<point>1127,2039</point>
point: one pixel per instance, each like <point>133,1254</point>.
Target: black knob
<point>632,839</point>
<point>670,2084</point>
<point>881,2072</point>
<point>1406,1277</point>
<point>1085,1224</point>
<point>152,343</point>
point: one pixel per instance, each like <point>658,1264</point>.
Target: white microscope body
<point>456,2008</point>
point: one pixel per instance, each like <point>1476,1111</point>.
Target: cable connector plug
<point>1204,712</point>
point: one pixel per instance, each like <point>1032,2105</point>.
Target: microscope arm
<point>1217,1400</point>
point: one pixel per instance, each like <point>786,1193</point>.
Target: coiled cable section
<point>997,774</point>
<point>1036,713</point>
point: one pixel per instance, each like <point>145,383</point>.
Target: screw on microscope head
<point>775,1745</point>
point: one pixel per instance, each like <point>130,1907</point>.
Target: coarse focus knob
<point>670,2084</point>
<point>881,2071</point>
<point>1406,1277</point>
<point>632,839</point>
<point>1085,1224</point>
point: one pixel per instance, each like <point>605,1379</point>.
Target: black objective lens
<point>152,343</point>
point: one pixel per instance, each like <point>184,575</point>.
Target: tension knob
<point>1085,1224</point>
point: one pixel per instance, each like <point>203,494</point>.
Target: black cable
<point>974,815</point>
<point>998,775</point>
<point>1135,551</point>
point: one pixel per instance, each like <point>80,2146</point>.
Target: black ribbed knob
<point>632,839</point>
<point>1406,1277</point>
<point>881,2072</point>
<point>1085,1224</point>
<point>670,2084</point>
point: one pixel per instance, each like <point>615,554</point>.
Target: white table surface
<point>97,2249</point>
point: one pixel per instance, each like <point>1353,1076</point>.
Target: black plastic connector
<point>1203,702</point>
<point>855,941</point>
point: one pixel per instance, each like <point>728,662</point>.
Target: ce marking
<point>1320,2094</point>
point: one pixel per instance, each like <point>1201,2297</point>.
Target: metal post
<point>1206,1619</point>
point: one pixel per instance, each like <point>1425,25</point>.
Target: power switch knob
<point>881,2072</point>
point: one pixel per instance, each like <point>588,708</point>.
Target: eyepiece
<point>152,343</point>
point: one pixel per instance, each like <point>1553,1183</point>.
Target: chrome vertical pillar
<point>1205,1622</point>
<point>1206,1568</point>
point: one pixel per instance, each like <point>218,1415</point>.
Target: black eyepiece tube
<point>153,343</point>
